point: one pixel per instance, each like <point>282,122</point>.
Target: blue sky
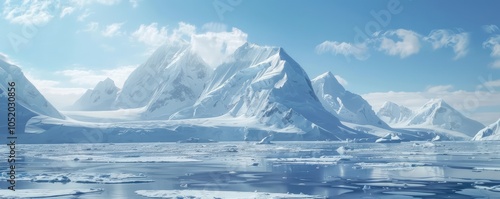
<point>404,51</point>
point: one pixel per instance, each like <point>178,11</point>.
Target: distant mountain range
<point>434,114</point>
<point>257,92</point>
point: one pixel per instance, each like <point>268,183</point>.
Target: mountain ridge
<point>345,105</point>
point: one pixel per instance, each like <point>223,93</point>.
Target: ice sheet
<point>202,194</point>
<point>39,193</point>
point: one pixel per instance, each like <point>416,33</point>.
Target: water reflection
<point>406,170</point>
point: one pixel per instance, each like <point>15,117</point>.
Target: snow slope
<point>100,98</point>
<point>394,114</point>
<point>29,101</point>
<point>347,106</point>
<point>491,132</point>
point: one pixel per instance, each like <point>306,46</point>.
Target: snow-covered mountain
<point>267,85</point>
<point>438,113</point>
<point>100,98</point>
<point>170,80</point>
<point>393,114</point>
<point>147,79</point>
<point>183,82</point>
<point>346,106</point>
<point>435,115</point>
<point>258,91</point>
<point>29,101</point>
<point>491,132</point>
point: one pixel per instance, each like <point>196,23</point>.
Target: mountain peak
<point>389,104</point>
<point>99,98</point>
<point>327,74</point>
<point>436,103</point>
<point>108,80</point>
<point>393,113</point>
<point>347,106</point>
<point>437,100</point>
<point>107,84</point>
<point>329,81</point>
<point>436,112</point>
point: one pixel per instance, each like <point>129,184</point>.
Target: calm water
<point>406,170</point>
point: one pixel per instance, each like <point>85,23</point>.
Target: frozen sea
<point>248,170</point>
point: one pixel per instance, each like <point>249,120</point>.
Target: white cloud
<point>40,12</point>
<point>486,118</point>
<point>408,43</point>
<point>359,51</point>
<point>88,78</point>
<point>492,83</point>
<point>215,47</point>
<point>184,31</point>
<point>82,3</point>
<point>439,89</point>
<point>54,91</point>
<point>112,30</point>
<point>66,11</point>
<point>212,47</point>
<point>151,35</point>
<point>214,27</point>
<point>84,15</point>
<point>493,43</point>
<point>490,28</point>
<point>72,84</point>
<point>37,12</point>
<point>445,38</point>
<point>91,27</point>
<point>108,2</point>
<point>341,80</point>
<point>134,3</point>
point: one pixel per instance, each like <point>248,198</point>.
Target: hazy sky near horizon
<point>398,50</point>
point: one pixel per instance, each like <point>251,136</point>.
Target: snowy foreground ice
<point>248,170</point>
